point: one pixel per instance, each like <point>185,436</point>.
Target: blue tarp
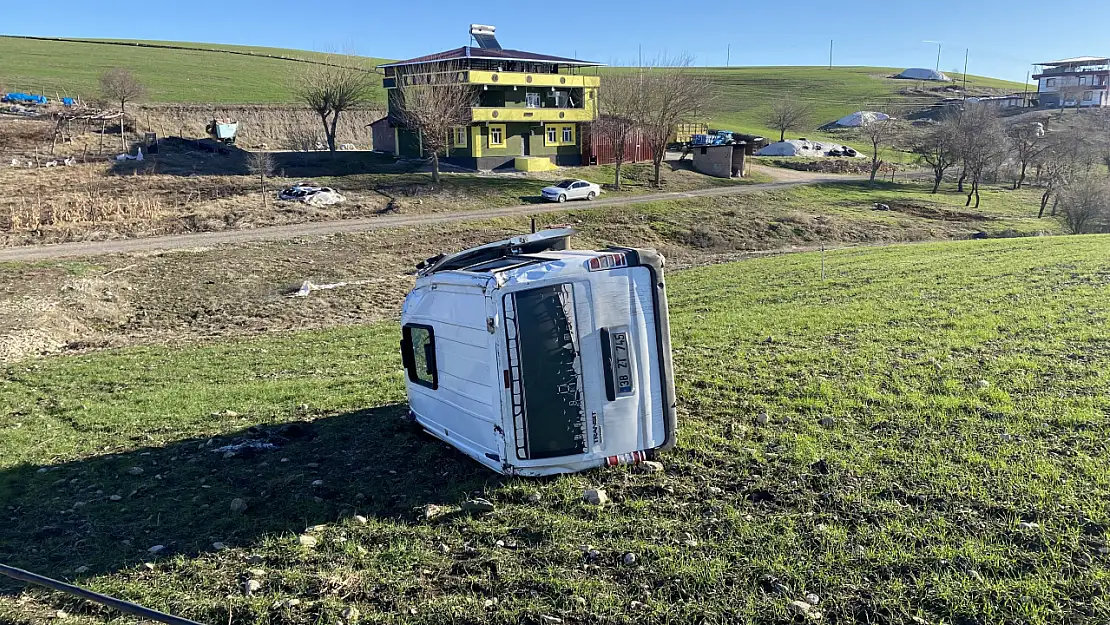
<point>68,101</point>
<point>24,98</point>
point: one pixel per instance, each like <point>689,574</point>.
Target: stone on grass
<point>317,483</point>
<point>580,600</point>
<point>1028,525</point>
<point>638,605</point>
<point>218,546</point>
<point>713,490</point>
<point>827,422</point>
<point>595,496</point>
<point>306,541</point>
<point>238,506</point>
<point>478,505</point>
<point>114,498</point>
<point>81,569</point>
<point>650,466</point>
<point>288,603</point>
<point>534,498</point>
<point>984,384</point>
<point>629,558</point>
<point>60,614</point>
<point>431,511</point>
<point>157,549</point>
<point>349,614</point>
<point>135,471</point>
<point>813,599</point>
<point>799,607</point>
<point>762,418</point>
<point>252,585</point>
<point>550,620</point>
<point>361,520</point>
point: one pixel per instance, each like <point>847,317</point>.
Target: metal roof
<point>1079,60</point>
<point>468,52</point>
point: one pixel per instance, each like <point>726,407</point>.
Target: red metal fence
<point>596,149</point>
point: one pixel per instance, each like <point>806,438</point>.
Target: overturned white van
<point>536,359</point>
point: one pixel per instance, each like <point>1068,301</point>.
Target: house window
<point>562,99</point>
<point>1051,82</point>
<point>559,134</point>
<point>568,134</point>
<point>1082,80</point>
<point>497,135</point>
<point>1088,96</point>
<point>460,137</point>
<point>552,135</point>
<point>418,354</point>
<point>532,100</point>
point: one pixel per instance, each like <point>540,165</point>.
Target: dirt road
<point>785,179</point>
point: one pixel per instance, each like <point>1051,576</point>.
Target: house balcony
<point>538,115</point>
<point>521,79</point>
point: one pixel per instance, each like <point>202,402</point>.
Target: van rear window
<point>547,370</point>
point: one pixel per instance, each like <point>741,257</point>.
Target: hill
<point>965,464</point>
<point>217,73</point>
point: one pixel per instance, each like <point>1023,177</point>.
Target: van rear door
<point>627,393</point>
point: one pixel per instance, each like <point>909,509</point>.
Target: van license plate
<point>622,364</point>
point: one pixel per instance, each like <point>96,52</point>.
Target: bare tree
<point>787,114</point>
<point>618,103</point>
<point>335,85</point>
<point>668,94</point>
<point>433,105</point>
<point>1027,139</point>
<point>982,145</point>
<point>261,163</point>
<point>120,85</point>
<point>938,147</point>
<point>1060,163</point>
<point>881,134</point>
<point>1098,129</point>
<point>1086,204</point>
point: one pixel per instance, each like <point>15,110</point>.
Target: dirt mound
<point>828,166</point>
<point>52,314</point>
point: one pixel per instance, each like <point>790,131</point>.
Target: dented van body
<point>536,359</point>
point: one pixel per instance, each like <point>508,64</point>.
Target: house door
<point>526,143</point>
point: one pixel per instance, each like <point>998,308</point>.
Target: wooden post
<point>103,129</point>
<point>122,142</point>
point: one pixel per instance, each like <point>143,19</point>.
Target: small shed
<point>723,161</point>
<point>383,136</point>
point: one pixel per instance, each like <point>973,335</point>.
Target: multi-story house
<point>525,105</point>
<point>1078,82</point>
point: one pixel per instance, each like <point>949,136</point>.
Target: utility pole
<point>728,54</point>
<point>830,53</point>
<point>966,53</point>
<point>938,58</point>
<point>1025,96</point>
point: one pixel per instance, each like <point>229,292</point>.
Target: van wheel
<point>591,196</point>
<point>562,198</point>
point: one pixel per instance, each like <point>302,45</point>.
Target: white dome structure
<point>800,147</point>
<point>921,73</point>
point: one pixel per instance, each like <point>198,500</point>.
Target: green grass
<point>743,94</point>
<point>967,383</point>
<point>73,68</point>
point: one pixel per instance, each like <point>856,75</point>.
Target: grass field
<point>742,93</point>
<point>964,479</point>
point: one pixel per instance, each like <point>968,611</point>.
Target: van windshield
<point>543,346</point>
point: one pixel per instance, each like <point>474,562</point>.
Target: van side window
<point>418,353</point>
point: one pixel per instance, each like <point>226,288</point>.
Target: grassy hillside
<point>964,477</point>
<point>743,93</point>
<point>170,75</point>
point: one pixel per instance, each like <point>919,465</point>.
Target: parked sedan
<point>571,190</point>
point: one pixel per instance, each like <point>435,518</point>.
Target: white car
<point>571,190</point>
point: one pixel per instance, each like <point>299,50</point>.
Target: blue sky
<point>1004,36</point>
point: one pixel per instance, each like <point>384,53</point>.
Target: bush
<point>1085,205</point>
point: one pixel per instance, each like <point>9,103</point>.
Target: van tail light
<point>607,261</point>
<point>635,457</point>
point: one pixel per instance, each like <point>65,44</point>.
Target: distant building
<point>1081,82</point>
<point>1012,101</point>
<point>525,104</point>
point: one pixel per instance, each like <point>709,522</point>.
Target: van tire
<point>562,198</point>
<point>591,196</point>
